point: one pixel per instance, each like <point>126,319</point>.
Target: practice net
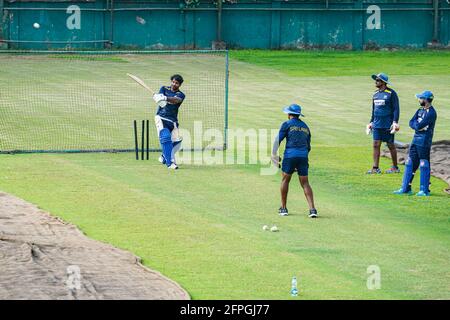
<point>84,101</point>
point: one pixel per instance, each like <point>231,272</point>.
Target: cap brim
<point>420,96</point>
<point>287,111</point>
<point>290,112</point>
<point>375,77</point>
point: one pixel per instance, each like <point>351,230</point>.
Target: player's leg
<point>304,182</point>
<point>302,170</point>
<point>159,126</point>
<point>176,142</point>
<point>166,145</point>
<point>411,165</point>
<point>285,180</point>
<point>165,138</point>
<point>424,155</point>
<point>376,152</point>
<point>287,168</point>
<point>393,151</point>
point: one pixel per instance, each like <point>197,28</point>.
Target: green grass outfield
<point>202,225</point>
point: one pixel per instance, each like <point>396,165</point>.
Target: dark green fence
<point>188,24</point>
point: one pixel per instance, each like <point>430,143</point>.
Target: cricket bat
<point>140,82</point>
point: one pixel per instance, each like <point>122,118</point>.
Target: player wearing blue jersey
<point>384,122</point>
<point>169,100</point>
<point>298,146</point>
<point>422,123</point>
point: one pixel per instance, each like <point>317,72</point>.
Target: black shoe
<point>313,213</point>
<point>283,211</point>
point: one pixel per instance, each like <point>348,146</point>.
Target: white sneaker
<point>313,213</point>
<point>173,166</point>
<point>161,159</point>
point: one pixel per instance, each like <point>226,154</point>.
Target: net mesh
<point>84,102</point>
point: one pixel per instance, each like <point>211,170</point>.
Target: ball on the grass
<point>274,229</point>
<point>265,227</point>
<point>36,25</point>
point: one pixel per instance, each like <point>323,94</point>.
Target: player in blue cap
<point>422,123</point>
<point>169,100</point>
<point>298,145</point>
<point>384,122</point>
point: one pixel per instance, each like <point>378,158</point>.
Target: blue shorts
<point>168,124</point>
<point>291,164</point>
<point>383,135</point>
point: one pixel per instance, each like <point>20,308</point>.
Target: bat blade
<point>140,82</point>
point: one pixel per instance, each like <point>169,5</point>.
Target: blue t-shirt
<point>423,123</point>
<point>298,138</point>
<point>170,111</point>
<point>385,108</point>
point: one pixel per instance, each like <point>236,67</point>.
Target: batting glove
<point>159,97</point>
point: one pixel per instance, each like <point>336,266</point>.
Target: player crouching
<point>298,145</point>
<point>422,123</point>
<point>169,100</point>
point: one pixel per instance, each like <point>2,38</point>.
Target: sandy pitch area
<point>439,158</point>
<point>41,257</point>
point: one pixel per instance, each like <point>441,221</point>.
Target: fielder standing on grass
<point>169,100</point>
<point>298,145</point>
<point>422,123</point>
<point>384,122</point>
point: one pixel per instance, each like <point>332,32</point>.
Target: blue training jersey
<point>423,123</point>
<point>298,138</point>
<point>385,108</point>
<point>170,111</point>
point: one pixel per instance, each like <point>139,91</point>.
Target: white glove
<point>159,97</point>
<point>276,160</point>
<point>369,128</point>
<point>162,103</point>
<point>394,127</point>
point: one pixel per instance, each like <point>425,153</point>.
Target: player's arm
<point>174,100</point>
<point>308,139</point>
<point>179,98</point>
<point>413,120</point>
<point>276,144</point>
<point>370,124</point>
<point>429,118</point>
<point>396,112</point>
<point>372,116</point>
<point>373,112</point>
<point>395,106</point>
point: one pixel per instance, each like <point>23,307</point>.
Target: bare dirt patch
<point>440,159</point>
<point>40,257</point>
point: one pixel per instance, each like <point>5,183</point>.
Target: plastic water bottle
<point>294,290</point>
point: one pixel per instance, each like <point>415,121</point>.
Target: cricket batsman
<point>422,123</point>
<point>298,146</point>
<point>384,122</point>
<point>169,100</point>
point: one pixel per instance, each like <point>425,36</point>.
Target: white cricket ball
<point>274,229</point>
<point>265,227</point>
<point>140,20</point>
<point>36,25</point>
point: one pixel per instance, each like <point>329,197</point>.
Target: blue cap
<point>293,109</point>
<point>382,76</point>
<point>428,95</point>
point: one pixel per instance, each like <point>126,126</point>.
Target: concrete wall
<point>246,24</point>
